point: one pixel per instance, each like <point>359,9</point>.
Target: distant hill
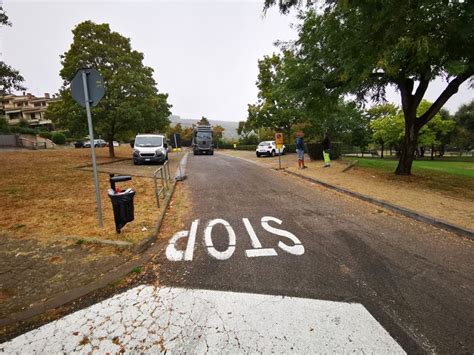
<point>230,127</point>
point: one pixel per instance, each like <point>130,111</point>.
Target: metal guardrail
<point>162,173</point>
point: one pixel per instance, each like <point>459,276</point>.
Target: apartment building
<point>26,107</point>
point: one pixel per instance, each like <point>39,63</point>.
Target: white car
<point>269,148</point>
<point>97,143</point>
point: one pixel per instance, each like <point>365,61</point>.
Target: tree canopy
<point>361,47</point>
<point>131,103</point>
<point>204,122</point>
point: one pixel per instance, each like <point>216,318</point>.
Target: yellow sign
<point>279,140</point>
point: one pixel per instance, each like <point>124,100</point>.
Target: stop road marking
<point>173,254</point>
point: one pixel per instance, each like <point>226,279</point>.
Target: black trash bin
<point>122,202</point>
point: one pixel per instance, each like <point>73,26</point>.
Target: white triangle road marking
<point>156,319</point>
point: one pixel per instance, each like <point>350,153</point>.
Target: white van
<point>150,148</point>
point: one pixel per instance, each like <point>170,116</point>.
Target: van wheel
<point>258,155</point>
<point>273,153</point>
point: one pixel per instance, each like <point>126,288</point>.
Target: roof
<point>150,135</point>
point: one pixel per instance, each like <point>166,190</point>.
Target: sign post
<point>87,89</point>
<point>279,145</point>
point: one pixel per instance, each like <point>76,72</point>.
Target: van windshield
<point>148,141</point>
<point>204,135</point>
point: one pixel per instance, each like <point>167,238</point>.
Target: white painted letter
<point>188,255</point>
<point>171,253</point>
<point>219,255</point>
<point>257,246</point>
<point>296,249</point>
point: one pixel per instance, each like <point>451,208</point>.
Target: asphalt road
<point>416,280</point>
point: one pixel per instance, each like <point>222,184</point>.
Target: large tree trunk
<point>381,156</point>
<point>111,149</point>
<point>408,148</point>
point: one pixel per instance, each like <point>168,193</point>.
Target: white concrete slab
<point>153,319</point>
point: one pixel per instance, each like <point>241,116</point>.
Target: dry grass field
<point>45,196</point>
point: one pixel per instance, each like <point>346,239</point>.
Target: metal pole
<point>179,160</point>
<point>279,160</point>
<point>91,139</point>
<point>156,189</point>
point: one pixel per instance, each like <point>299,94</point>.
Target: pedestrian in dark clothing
<point>326,149</point>
<point>300,150</point>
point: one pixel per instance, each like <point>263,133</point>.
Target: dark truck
<point>202,140</point>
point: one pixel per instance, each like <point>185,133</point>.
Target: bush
<point>45,134</point>
<point>4,127</point>
<point>315,150</point>
<point>22,130</point>
<point>58,138</point>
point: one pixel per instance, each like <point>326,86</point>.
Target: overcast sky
<point>204,53</point>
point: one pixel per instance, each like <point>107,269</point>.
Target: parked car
<point>269,148</point>
<point>98,143</point>
<point>115,143</point>
<point>79,144</point>
<point>149,148</point>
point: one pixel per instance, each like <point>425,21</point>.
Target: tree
<point>276,107</point>
<point>464,132</point>
<point>203,122</point>
<point>433,133</point>
<point>131,102</point>
<point>246,133</point>
<point>362,47</point>
<point>381,118</point>
<point>387,126</point>
<point>218,132</point>
<point>10,79</point>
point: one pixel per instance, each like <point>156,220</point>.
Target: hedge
<point>45,134</point>
<point>315,150</point>
<point>58,138</point>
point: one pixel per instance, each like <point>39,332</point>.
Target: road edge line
<point>401,210</point>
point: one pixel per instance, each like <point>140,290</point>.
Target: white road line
<point>296,249</point>
<point>219,255</point>
<point>257,246</point>
<point>254,253</point>
<point>188,254</point>
<point>153,319</point>
<point>171,252</point>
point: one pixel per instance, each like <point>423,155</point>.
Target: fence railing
<point>162,173</point>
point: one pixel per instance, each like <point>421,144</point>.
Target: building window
<point>33,116</point>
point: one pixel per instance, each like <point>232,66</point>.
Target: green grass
<point>447,166</point>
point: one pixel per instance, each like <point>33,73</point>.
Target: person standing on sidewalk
<point>326,149</point>
<point>300,149</point>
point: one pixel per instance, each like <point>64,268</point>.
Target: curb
<point>404,211</point>
<point>58,300</point>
